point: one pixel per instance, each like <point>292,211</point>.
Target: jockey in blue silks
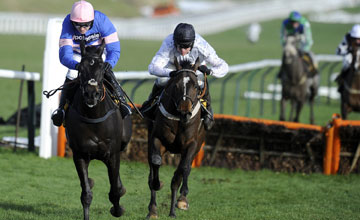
<point>85,23</point>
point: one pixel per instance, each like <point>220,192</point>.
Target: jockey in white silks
<point>185,44</point>
<point>346,49</point>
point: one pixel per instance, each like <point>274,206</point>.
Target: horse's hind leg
<point>116,188</point>
<point>299,106</point>
<point>282,109</point>
<point>86,194</point>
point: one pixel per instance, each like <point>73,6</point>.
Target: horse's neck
<point>295,70</point>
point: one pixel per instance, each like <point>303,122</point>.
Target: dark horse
<point>350,90</point>
<point>297,85</point>
<point>178,129</point>
<point>95,129</point>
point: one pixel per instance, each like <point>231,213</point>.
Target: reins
<point>53,91</point>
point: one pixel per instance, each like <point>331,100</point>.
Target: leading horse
<point>95,129</point>
<point>177,128</point>
<point>297,84</point>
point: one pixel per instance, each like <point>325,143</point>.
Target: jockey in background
<point>184,44</point>
<point>298,26</point>
<point>83,23</point>
<point>346,48</point>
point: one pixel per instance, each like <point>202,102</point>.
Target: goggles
<point>185,45</point>
<point>84,24</point>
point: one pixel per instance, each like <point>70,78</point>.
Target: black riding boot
<point>147,106</point>
<point>207,112</point>
<point>125,109</point>
<point>67,96</point>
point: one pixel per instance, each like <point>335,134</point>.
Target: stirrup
<point>208,122</point>
<point>58,117</point>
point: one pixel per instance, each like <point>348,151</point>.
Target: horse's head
<point>290,52</point>
<point>91,74</point>
<point>185,88</point>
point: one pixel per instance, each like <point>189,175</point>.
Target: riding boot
<point>147,107</point>
<point>125,109</point>
<point>207,112</point>
<point>66,97</point>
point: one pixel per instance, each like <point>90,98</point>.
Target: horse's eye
<point>92,62</point>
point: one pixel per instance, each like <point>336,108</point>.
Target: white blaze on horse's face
<point>186,80</point>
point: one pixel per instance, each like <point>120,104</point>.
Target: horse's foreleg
<point>182,173</point>
<point>154,183</point>
<point>86,194</point>
<point>116,188</point>
<point>282,109</point>
<point>343,108</point>
<point>293,106</point>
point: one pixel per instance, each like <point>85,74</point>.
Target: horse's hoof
<point>123,191</point>
<point>152,216</point>
<point>172,215</point>
<point>117,213</point>
<point>91,183</point>
<point>183,205</point>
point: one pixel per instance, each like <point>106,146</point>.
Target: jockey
<point>298,26</point>
<point>83,23</point>
<point>183,44</point>
<point>345,49</point>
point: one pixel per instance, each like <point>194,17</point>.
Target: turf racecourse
<point>35,188</point>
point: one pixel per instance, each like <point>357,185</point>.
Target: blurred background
<point>240,31</point>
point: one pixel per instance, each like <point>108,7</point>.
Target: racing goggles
<point>82,24</point>
<point>185,45</point>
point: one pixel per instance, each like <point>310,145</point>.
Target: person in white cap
<point>350,42</point>
<point>86,24</point>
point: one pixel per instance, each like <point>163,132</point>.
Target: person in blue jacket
<point>85,23</point>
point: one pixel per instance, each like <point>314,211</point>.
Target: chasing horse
<point>299,84</point>
<point>349,85</point>
<point>97,126</point>
<point>177,128</point>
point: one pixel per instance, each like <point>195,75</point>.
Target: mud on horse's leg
<point>116,188</point>
<point>86,194</point>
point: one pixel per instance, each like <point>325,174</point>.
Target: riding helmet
<point>295,16</point>
<point>355,31</point>
<point>82,11</point>
<point>184,34</point>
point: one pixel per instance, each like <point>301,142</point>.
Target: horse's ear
<point>197,64</point>
<point>177,65</point>
<point>101,48</point>
<point>82,47</point>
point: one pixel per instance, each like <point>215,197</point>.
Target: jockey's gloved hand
<point>204,69</point>
<point>107,66</point>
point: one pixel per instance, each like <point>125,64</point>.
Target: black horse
<point>95,129</point>
<point>350,87</point>
<point>297,84</point>
<point>177,128</point>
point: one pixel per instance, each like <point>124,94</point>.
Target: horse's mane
<point>186,64</point>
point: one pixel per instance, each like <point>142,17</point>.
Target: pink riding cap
<point>82,11</point>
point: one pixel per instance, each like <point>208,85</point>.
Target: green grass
<point>35,188</point>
